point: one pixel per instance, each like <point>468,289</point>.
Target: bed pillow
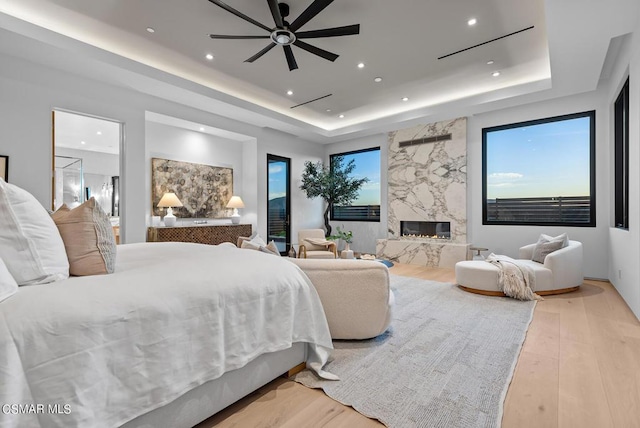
<point>547,245</point>
<point>30,243</point>
<point>273,247</point>
<point>8,285</point>
<point>88,238</point>
<point>270,248</point>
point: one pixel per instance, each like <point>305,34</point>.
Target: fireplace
<point>425,229</point>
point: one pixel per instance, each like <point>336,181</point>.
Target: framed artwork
<point>4,167</point>
<point>204,190</point>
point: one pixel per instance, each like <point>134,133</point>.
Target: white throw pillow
<point>30,243</point>
<point>8,285</point>
<point>562,237</point>
<point>257,240</point>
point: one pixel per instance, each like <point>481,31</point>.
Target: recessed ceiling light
<point>361,65</point>
<point>99,133</point>
<point>490,62</point>
<point>328,110</point>
<point>495,74</point>
<point>209,57</point>
<point>378,79</point>
<point>289,92</point>
<point>151,30</point>
<point>472,21</point>
<point>341,116</point>
<point>405,99</point>
<point>201,128</point>
<point>82,142</point>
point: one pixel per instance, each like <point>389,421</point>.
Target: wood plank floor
<point>579,367</point>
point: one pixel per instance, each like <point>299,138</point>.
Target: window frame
<point>355,152</point>
<point>591,114</point>
<point>621,158</point>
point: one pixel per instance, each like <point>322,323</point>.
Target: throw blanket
<point>320,242</point>
<point>515,279</point>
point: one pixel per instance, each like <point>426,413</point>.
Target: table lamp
<point>168,201</point>
<point>235,202</point>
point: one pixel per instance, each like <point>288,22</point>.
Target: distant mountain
<point>278,203</point>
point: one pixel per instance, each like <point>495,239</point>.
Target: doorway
<point>279,201</point>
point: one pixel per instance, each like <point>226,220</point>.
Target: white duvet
<point>99,351</point>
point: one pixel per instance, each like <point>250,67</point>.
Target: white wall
<point>29,92</point>
<point>624,250</point>
<point>508,239</point>
<point>365,233</point>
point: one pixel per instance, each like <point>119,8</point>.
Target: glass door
<point>279,201</point>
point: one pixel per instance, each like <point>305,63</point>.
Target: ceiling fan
<point>285,34</point>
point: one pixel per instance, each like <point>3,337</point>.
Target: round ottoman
<point>478,276</point>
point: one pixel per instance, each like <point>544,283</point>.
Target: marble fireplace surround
<point>427,182</point>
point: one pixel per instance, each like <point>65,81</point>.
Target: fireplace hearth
<point>425,230</point>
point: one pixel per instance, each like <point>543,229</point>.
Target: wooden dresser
<point>212,234</point>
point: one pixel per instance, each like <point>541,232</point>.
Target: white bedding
<point>109,348</point>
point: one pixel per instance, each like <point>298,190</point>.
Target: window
<point>540,172</point>
<point>621,141</point>
<point>366,207</point>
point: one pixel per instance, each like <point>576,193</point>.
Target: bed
<point>177,333</point>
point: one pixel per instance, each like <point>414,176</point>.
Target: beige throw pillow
<point>544,248</point>
<point>88,238</point>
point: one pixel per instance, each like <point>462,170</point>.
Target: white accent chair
<point>561,272</point>
<point>355,295</point>
<point>309,250</point>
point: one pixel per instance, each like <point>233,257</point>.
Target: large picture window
<point>621,172</point>
<point>540,172</point>
<point>366,207</point>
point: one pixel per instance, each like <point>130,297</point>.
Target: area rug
<point>446,361</point>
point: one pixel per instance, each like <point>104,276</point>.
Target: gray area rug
<point>446,361</point>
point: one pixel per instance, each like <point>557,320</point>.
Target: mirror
<point>86,162</point>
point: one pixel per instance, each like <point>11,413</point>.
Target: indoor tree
<point>332,183</point>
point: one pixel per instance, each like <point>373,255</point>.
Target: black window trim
<point>355,152</point>
<point>621,159</point>
<point>592,166</point>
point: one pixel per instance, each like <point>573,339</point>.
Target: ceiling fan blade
<point>316,51</point>
<point>239,14</point>
<point>314,8</point>
<point>291,60</point>
<point>275,12</point>
<point>224,36</point>
<point>347,30</point>
<point>262,52</point>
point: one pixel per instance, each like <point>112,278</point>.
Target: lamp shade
<point>169,200</point>
<point>235,202</point>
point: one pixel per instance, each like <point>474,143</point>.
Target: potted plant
<point>346,236</point>
<point>332,184</point>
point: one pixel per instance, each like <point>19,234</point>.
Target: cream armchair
<point>312,245</point>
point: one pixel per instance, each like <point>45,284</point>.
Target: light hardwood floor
<point>579,367</point>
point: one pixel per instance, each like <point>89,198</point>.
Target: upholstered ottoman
<point>355,294</point>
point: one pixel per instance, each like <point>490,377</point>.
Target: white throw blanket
<point>319,242</point>
<point>515,279</point>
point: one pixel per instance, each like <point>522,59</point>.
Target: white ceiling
<point>399,41</point>
<point>80,132</point>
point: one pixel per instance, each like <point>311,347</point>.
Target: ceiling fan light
<point>283,39</point>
